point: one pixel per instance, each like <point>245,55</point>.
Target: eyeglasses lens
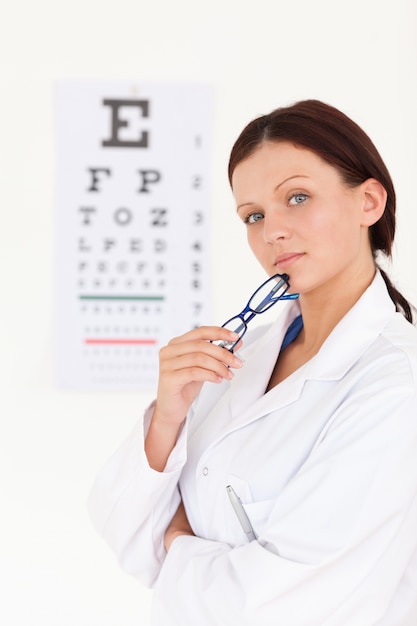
<point>267,295</point>
<point>236,325</point>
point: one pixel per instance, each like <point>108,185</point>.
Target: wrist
<point>160,440</point>
<point>165,422</point>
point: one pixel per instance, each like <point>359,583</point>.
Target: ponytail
<point>401,304</point>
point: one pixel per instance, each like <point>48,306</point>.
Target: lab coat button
<point>205,471</point>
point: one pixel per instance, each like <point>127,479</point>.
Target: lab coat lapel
<point>248,400</point>
<point>245,400</point>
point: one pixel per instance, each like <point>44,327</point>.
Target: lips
<point>287,259</point>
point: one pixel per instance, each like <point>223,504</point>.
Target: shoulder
<point>401,333</point>
<point>388,365</point>
<point>399,340</point>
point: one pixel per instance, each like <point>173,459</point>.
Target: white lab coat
<point>326,466</point>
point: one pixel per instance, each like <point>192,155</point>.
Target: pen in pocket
<point>241,514</point>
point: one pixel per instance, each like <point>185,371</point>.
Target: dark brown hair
<point>339,141</point>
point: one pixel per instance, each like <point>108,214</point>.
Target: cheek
<point>254,237</point>
<point>258,247</point>
<point>336,230</point>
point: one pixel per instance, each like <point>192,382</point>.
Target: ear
<point>374,201</point>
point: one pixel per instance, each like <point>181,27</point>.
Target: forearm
<point>186,363</point>
<point>209,583</point>
<point>179,526</point>
<point>160,441</point>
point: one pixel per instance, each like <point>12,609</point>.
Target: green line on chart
<point>148,298</point>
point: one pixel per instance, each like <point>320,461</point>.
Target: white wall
<point>360,56</point>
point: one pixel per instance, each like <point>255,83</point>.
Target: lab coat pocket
<point>258,511</point>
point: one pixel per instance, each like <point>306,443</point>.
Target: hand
<point>185,364</point>
<point>179,526</point>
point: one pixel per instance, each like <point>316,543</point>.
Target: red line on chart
<point>121,342</point>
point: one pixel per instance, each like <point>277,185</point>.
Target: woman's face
<point>301,218</point>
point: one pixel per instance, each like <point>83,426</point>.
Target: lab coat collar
<point>344,346</point>
<point>355,332</point>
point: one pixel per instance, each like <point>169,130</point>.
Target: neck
<point>322,309</point>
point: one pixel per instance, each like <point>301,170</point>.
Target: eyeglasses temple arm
<point>289,296</point>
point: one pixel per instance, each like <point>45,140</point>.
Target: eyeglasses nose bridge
<point>241,325</point>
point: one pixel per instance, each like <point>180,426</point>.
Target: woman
<point>316,434</point>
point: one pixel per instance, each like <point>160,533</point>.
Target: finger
<point>195,353</point>
<point>197,367</point>
<point>178,381</point>
<point>206,333</point>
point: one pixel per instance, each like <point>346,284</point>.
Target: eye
<point>253,217</point>
<point>297,198</point>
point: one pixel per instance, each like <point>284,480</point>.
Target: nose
<point>274,227</point>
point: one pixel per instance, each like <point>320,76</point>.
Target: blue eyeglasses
<point>268,294</point>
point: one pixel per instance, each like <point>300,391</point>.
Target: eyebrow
<point>275,188</point>
<point>290,178</point>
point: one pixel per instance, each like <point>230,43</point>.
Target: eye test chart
<point>132,195</point>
